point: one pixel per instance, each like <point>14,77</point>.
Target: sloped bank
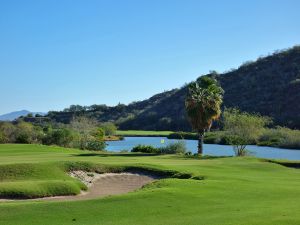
<point>78,180</point>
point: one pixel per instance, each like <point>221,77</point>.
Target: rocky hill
<point>269,86</point>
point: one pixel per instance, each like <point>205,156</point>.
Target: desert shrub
<point>174,148</point>
<point>82,133</point>
<point>243,128</point>
<point>23,138</point>
<point>95,145</point>
<point>99,134</point>
<point>9,132</point>
<point>83,136</point>
<point>228,139</point>
<point>183,135</point>
<point>88,143</point>
<point>86,129</point>
<point>290,138</point>
<point>270,137</point>
<point>61,137</point>
<point>3,138</point>
<point>22,132</point>
<point>225,140</point>
<point>211,139</point>
<point>239,145</point>
<point>280,137</point>
<point>26,133</point>
<point>108,128</point>
<point>145,149</point>
<point>214,137</point>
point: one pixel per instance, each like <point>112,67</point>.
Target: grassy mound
<point>36,180</point>
<point>23,181</point>
<point>36,189</point>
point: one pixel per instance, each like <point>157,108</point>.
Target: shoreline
<point>208,143</point>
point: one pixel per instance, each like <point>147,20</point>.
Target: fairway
<point>233,191</point>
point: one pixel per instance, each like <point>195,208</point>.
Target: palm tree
<point>203,105</point>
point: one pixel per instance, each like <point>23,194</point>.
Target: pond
<point>209,149</point>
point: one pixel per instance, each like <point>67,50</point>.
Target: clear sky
<point>57,53</point>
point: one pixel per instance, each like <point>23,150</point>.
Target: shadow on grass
<point>114,154</point>
<point>205,157</point>
<point>147,154</point>
<point>290,164</point>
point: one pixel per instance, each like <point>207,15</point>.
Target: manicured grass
<point>143,133</point>
<point>234,190</point>
<point>36,180</point>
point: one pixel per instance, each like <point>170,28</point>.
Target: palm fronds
<point>203,103</point>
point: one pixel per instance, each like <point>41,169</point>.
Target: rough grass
<point>234,190</point>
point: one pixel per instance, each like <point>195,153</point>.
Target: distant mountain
<point>269,86</point>
<point>14,115</point>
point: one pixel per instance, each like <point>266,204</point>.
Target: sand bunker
<point>100,185</point>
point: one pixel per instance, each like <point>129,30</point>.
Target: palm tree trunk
<point>200,142</point>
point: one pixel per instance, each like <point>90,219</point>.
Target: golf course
<point>192,190</point>
<point>150,112</point>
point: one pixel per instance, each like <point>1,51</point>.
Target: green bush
<point>238,143</point>
<point>290,138</point>
<point>213,137</point>
<point>23,138</point>
<point>90,137</point>
<point>145,149</point>
<point>9,132</point>
<point>183,135</point>
<point>26,133</point>
<point>270,137</point>
<point>280,137</point>
<point>243,128</point>
<point>99,134</point>
<point>3,138</point>
<point>61,137</point>
<point>95,145</point>
<point>225,140</point>
<point>230,139</point>
<point>174,148</point>
<point>108,128</point>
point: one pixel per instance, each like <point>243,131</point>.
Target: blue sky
<point>57,53</point>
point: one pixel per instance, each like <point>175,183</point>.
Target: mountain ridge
<point>16,114</point>
<point>269,86</point>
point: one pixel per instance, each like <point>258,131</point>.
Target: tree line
<point>83,133</point>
